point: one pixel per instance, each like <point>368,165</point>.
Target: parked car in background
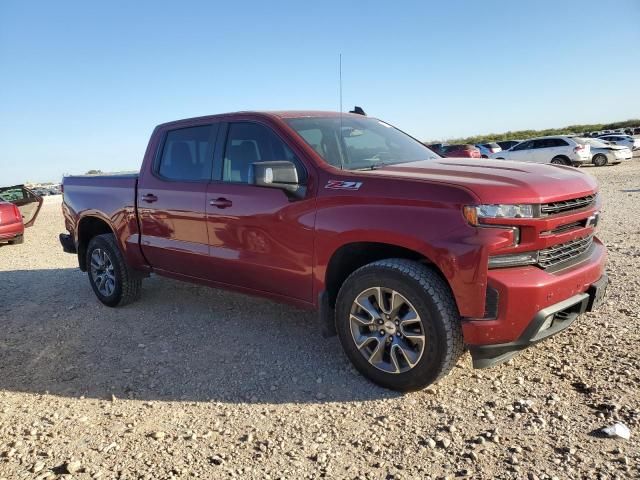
<point>559,150</point>
<point>19,208</point>
<point>636,131</point>
<point>437,147</point>
<point>605,153</point>
<point>487,149</point>
<point>624,140</point>
<point>460,151</point>
<point>507,144</point>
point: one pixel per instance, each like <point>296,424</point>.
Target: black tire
<point>431,297</point>
<point>17,241</point>
<point>484,156</point>
<point>599,160</point>
<point>128,284</point>
<point>560,161</point>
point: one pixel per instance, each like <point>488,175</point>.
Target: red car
<point>455,150</point>
<point>406,255</point>
<point>19,208</point>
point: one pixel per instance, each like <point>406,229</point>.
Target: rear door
<point>542,150</point>
<point>260,238</point>
<point>25,199</point>
<point>172,201</point>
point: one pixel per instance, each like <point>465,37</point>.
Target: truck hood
<point>499,181</point>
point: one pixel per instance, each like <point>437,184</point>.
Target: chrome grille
<point>566,205</point>
<point>557,254</point>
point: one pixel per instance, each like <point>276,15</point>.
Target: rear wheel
<point>17,240</point>
<point>398,324</point>
<point>560,161</point>
<point>112,280</point>
<point>600,160</point>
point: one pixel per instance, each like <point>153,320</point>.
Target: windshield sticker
<point>342,185</point>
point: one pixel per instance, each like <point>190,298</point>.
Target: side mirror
<point>280,174</point>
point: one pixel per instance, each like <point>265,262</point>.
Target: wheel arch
<point>88,227</point>
<point>347,258</point>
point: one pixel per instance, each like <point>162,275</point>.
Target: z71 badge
<point>342,185</point>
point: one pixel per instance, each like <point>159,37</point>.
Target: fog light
<point>513,260</point>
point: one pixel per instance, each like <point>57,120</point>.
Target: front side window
<point>248,143</point>
<point>187,154</point>
<point>359,143</point>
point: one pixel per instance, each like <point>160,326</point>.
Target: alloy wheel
<point>387,330</point>
<point>102,272</point>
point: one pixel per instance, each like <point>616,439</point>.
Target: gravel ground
<point>197,383</point>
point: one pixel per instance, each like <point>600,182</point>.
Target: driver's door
<point>25,199</point>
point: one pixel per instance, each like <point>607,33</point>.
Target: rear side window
<point>248,143</point>
<point>187,154</point>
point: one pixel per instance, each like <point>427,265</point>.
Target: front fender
<point>435,231</point>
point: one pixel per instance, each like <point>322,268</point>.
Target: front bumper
<point>526,294</point>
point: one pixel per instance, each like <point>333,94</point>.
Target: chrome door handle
<point>149,198</point>
<point>220,203</point>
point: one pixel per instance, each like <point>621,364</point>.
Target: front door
<point>259,237</point>
<point>172,202</point>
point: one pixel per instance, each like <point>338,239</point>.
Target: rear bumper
<point>67,243</point>
<point>11,230</point>
<point>526,297</point>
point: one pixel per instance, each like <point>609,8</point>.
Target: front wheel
<point>110,277</point>
<point>398,324</point>
<point>17,240</point>
<point>560,161</point>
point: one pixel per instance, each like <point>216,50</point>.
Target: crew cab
<point>19,207</point>
<point>407,256</point>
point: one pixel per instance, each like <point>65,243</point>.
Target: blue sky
<point>82,84</point>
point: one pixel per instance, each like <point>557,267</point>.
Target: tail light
<point>579,148</point>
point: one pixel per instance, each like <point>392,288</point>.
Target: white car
<point>605,153</point>
<point>557,149</point>
<point>624,140</point>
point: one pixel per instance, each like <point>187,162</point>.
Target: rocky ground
<point>197,383</point>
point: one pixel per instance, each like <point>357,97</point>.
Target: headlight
<point>513,260</point>
<point>473,213</point>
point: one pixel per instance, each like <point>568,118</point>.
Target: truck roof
<point>265,113</point>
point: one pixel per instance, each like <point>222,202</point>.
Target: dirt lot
<point>198,383</point>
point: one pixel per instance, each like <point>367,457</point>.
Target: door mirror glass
<point>280,174</point>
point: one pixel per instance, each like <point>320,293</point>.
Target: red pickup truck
<point>408,256</point>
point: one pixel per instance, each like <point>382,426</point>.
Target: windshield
<point>359,143</point>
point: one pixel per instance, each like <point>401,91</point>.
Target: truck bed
<point>110,197</point>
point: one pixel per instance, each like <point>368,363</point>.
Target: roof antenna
<point>340,89</point>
